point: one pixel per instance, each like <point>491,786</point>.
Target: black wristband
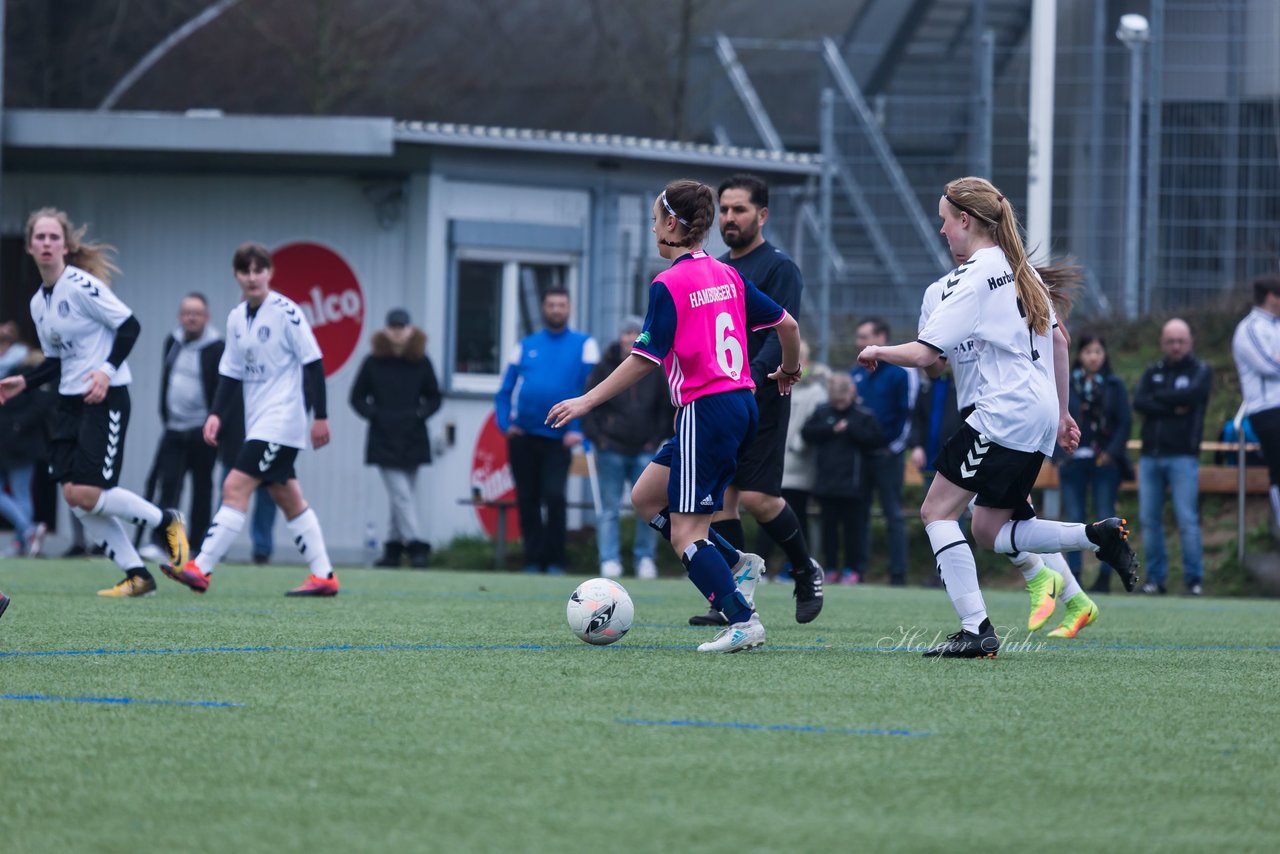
<point>796,373</point>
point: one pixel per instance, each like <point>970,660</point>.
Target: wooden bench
<point>1214,479</point>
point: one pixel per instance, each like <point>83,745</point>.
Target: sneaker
<point>171,536</point>
<point>1080,612</point>
<point>154,553</point>
<point>76,551</point>
<point>747,573</point>
<point>130,586</point>
<point>1194,589</point>
<point>610,569</point>
<point>983,644</point>
<point>190,576</point>
<point>316,586</point>
<point>34,541</point>
<point>1044,588</point>
<point>737,638</point>
<point>850,577</point>
<point>1151,588</point>
<point>1111,536</point>
<point>808,592</point>
<point>260,559</point>
<point>646,569</point>
<point>712,618</point>
<point>4,603</point>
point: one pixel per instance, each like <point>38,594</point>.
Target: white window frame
<point>511,259</point>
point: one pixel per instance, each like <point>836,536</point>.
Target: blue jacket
<point>544,369</point>
<point>890,393</point>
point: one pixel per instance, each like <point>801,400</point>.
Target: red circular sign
<point>491,479</point>
<point>329,294</point>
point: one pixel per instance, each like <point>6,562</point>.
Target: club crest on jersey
<point>64,308</point>
<point>264,332</point>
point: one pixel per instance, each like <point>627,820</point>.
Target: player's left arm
<point>1068,432</point>
<point>313,393</point>
<point>786,290</point>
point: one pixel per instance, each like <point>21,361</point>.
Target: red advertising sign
<point>325,288</point>
<point>491,479</point>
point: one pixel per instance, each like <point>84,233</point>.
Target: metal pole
<point>984,105</point>
<point>979,104</point>
<point>1155,121</point>
<point>1097,127</point>
<point>1239,422</point>
<point>1044,26</point>
<point>1131,213</point>
<point>827,141</point>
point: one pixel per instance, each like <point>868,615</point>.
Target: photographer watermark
<point>914,639</point>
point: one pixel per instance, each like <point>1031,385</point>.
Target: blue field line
<point>778,727</point>
<point>620,648</point>
<point>123,701</point>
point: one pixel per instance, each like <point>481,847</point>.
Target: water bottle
<point>370,544</point>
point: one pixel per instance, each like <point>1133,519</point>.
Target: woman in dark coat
<point>396,392</point>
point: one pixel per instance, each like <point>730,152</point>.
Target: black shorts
<point>1001,477</point>
<point>86,446</point>
<point>266,461</point>
<point>760,462</point>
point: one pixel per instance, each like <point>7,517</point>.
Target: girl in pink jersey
<point>699,312</point>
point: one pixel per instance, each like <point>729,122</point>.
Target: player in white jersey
<point>273,360</point>
<point>1019,412</point>
<point>86,332</point>
<point>1048,577</point>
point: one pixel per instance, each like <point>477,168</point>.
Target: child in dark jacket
<point>840,432</point>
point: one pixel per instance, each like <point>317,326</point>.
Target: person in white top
<point>86,333</point>
<point>273,360</point>
<point>996,298</point>
<point>1256,349</point>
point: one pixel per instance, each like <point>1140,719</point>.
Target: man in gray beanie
<point>625,432</point>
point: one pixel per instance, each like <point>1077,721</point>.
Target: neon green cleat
<point>1044,589</point>
<point>1080,612</point>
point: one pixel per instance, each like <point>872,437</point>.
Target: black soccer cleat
<point>711,618</point>
<point>4,603</point>
<point>984,644</point>
<point>1111,536</point>
<point>808,592</point>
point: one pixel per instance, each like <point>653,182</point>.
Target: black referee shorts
<point>87,442</point>
<point>760,462</point>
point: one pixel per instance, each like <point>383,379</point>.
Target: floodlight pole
<point>1134,33</point>
<point>1044,35</point>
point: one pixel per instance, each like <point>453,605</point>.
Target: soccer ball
<point>600,611</point>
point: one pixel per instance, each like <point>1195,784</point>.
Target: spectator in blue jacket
<point>545,368</point>
<point>1100,405</point>
<point>890,393</point>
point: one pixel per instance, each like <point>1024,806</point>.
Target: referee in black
<point>757,486</point>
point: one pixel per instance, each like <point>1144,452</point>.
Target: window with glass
<point>497,301</point>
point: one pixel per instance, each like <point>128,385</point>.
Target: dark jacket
<point>1101,411</point>
<point>209,358</point>
<point>1172,398</point>
<point>396,395</point>
<point>637,420</point>
<point>24,427</point>
<point>838,456</point>
<point>935,418</point>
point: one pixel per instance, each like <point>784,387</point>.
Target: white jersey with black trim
<point>266,352</point>
<point>76,321</point>
<point>1017,397</point>
<point>963,358</point>
<point>1256,348</point>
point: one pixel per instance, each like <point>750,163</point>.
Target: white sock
<point>129,506</point>
<point>959,572</point>
<point>224,529</point>
<point>111,535</point>
<point>1027,563</point>
<point>1058,564</point>
<point>1043,537</point>
<point>305,528</point>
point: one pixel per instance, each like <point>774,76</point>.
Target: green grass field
<point>448,711</point>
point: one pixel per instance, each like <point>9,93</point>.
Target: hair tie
<point>999,198</point>
<point>666,204</point>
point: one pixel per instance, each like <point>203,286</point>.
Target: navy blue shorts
<point>703,455</point>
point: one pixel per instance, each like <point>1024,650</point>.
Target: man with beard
<point>757,486</point>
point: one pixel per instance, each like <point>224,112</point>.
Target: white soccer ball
<point>600,611</point>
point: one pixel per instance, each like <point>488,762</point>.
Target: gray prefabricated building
<point>416,211</point>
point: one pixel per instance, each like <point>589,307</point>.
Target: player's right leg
<point>225,527</point>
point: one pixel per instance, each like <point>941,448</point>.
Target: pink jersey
<point>696,328</point>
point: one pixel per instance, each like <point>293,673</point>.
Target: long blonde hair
<point>979,198</point>
<point>94,258</point>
